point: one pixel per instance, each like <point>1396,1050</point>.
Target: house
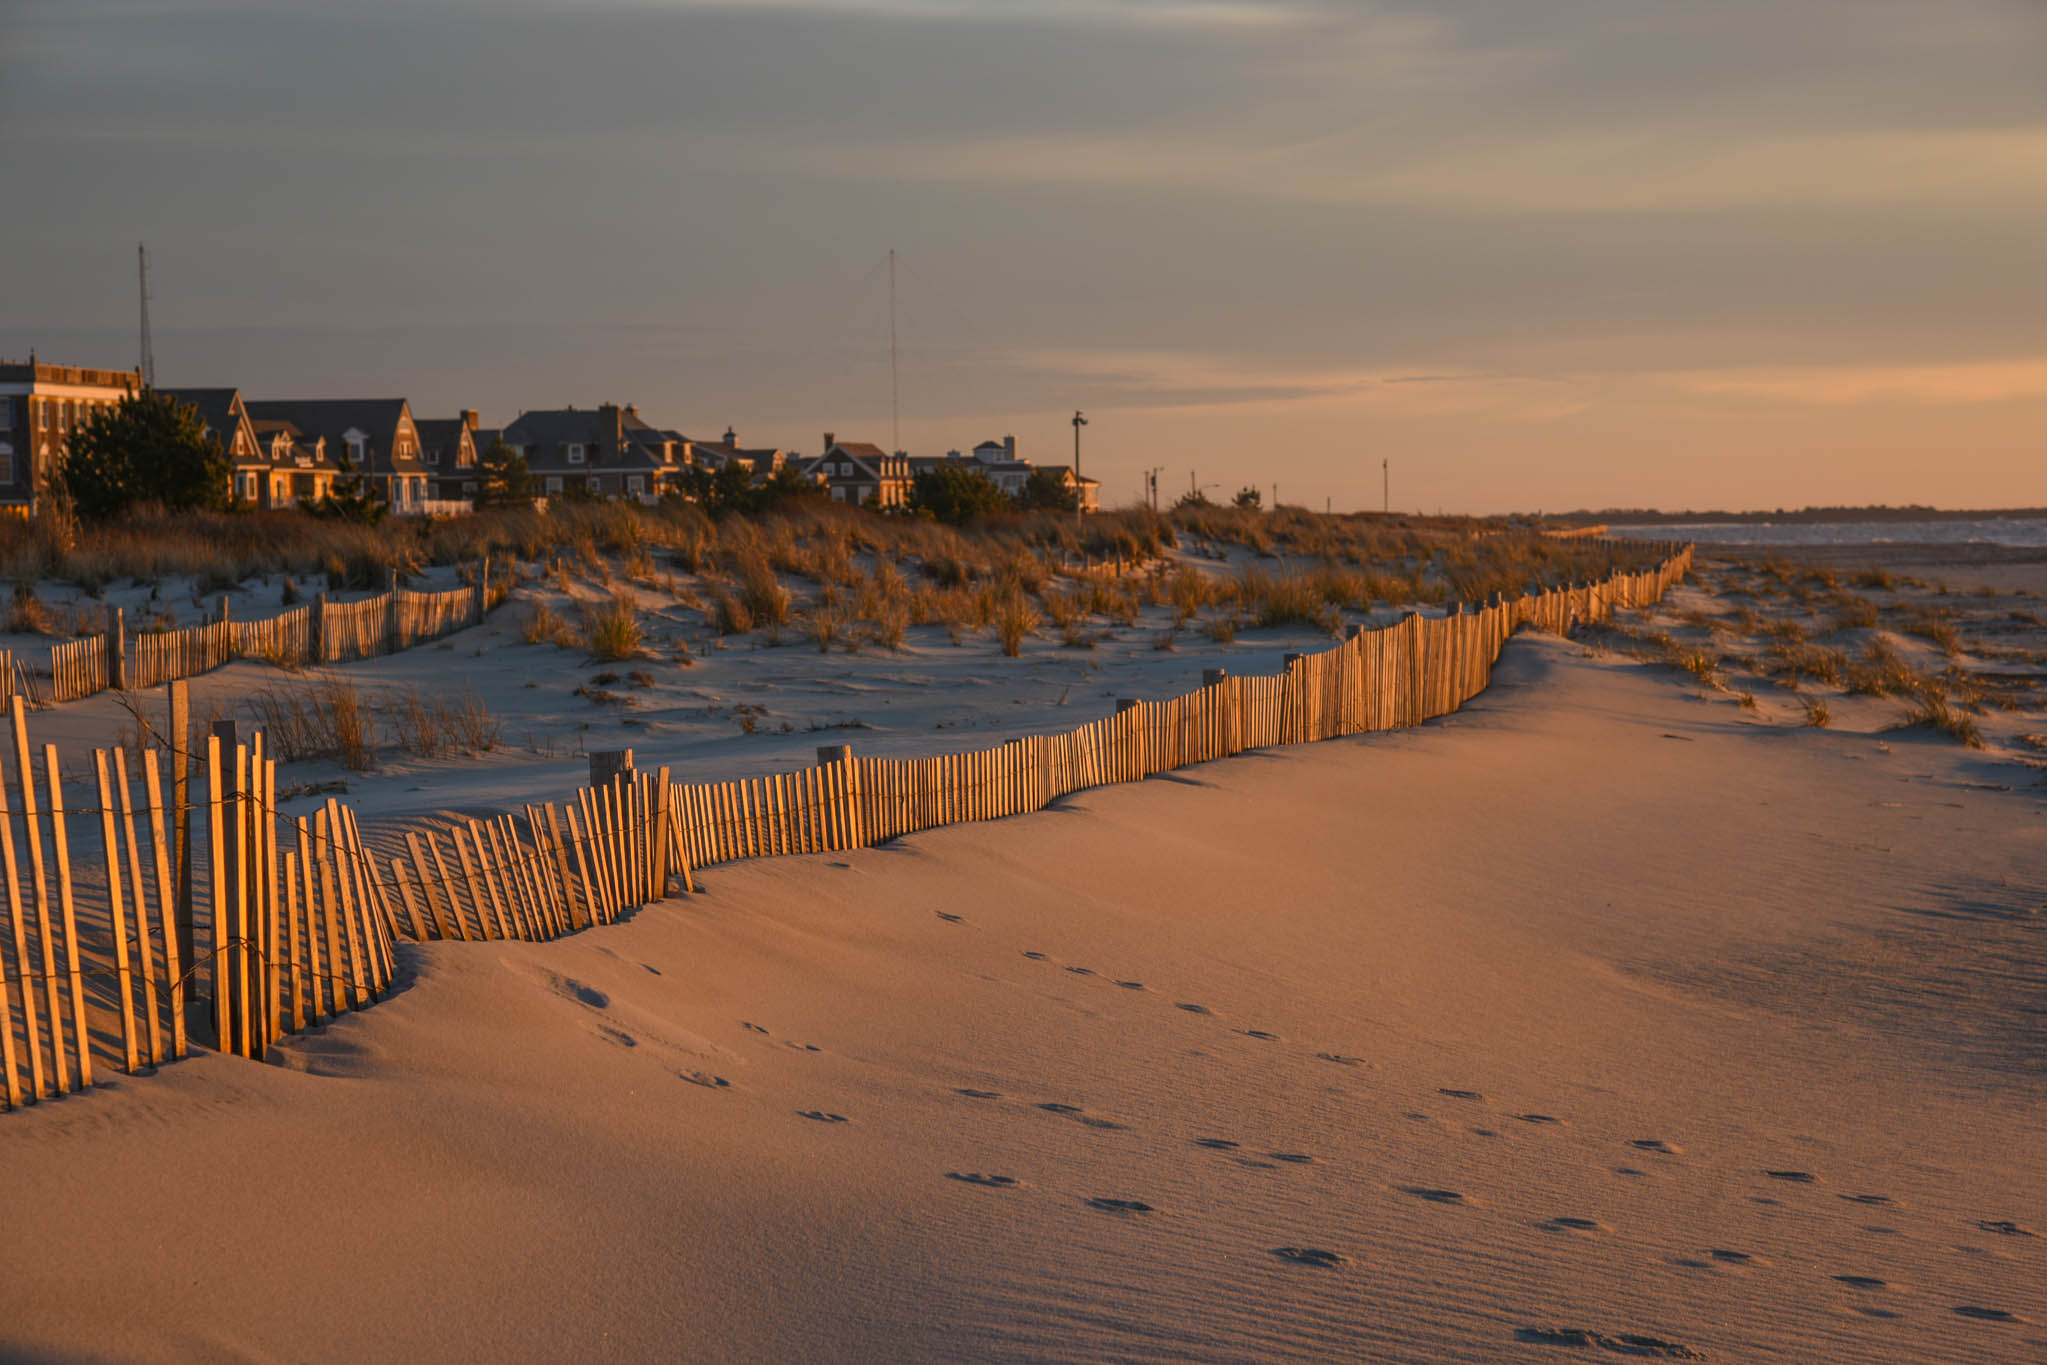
<point>225,418</point>
<point>603,452</point>
<point>377,436</point>
<point>40,406</point>
<point>861,474</point>
<point>448,449</point>
<point>301,470</point>
<point>762,462</point>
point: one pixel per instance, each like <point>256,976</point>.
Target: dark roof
<point>545,430</point>
<point>377,418</point>
<point>440,433</point>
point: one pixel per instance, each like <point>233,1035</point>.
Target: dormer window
<point>576,454</point>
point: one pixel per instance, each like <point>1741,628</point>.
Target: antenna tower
<point>895,420</point>
<point>148,358</point>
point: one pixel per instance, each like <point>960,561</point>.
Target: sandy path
<point>1589,1010</point>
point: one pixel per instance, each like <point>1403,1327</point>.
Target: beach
<point>1590,1018</point>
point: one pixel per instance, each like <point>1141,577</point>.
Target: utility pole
<point>1386,484</point>
<point>1078,500</point>
<point>1151,484</point>
<point>147,362</point>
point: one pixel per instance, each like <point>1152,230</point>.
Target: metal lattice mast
<point>147,362</point>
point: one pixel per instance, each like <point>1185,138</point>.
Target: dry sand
<point>1590,1013</point>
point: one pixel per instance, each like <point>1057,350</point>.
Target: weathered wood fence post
<point>117,651</point>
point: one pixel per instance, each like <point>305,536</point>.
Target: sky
<point>1492,254</point>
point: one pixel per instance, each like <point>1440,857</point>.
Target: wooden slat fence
<point>317,632</point>
<point>78,668</point>
<point>303,918</point>
<point>1398,675</point>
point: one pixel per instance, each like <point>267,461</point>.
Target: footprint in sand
<point>1867,1198</point>
<point>1726,1257</point>
<point>1315,1256</point>
<point>1795,1177</point>
<point>1082,971</point>
<point>1037,957</point>
<point>1970,1310</point>
<point>2005,1227</point>
<point>1656,1145</point>
<point>1193,1009</point>
<point>822,1116</point>
<point>1259,1033</point>
<point>1572,1225</point>
<point>753,1028</point>
<point>1624,1343</point>
<point>1292,1158</point>
<point>1460,1094</point>
<point>993,1182</point>
<point>1434,1196</point>
<point>980,1094</point>
<point>1216,1144</point>
<point>1538,1118</point>
<point>1862,1282</point>
<point>949,917</point>
<point>705,1079</point>
<point>1108,1205</point>
<point>617,1035</point>
<point>651,968</point>
<point>1340,1059</point>
<point>1133,985</point>
<point>1074,1111</point>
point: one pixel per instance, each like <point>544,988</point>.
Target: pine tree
<point>151,448</point>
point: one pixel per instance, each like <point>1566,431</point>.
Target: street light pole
<point>1079,501</point>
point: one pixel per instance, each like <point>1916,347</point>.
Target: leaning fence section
<point>121,943</point>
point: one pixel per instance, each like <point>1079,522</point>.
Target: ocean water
<point>2024,531</point>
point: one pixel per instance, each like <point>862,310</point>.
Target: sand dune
<point>1592,1021</point>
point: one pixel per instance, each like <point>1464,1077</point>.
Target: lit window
<point>43,415</point>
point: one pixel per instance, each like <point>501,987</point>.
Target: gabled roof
<point>332,418</point>
<point>225,417</point>
<point>441,433</point>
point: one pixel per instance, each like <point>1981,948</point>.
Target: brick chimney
<point>469,418</point>
<point>1009,448</point>
<point>829,442</point>
<point>610,427</point>
<point>731,439</point>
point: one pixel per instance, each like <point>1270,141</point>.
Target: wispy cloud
<point>1206,13</point>
<point>1668,170</point>
<point>1993,381</point>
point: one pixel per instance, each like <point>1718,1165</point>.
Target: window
<point>593,484</point>
<point>248,482</point>
<point>432,457</point>
<point>468,488</point>
<point>6,414</point>
<point>6,463</point>
<point>575,454</point>
<point>635,485</point>
<point>43,414</point>
<point>554,483</point>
